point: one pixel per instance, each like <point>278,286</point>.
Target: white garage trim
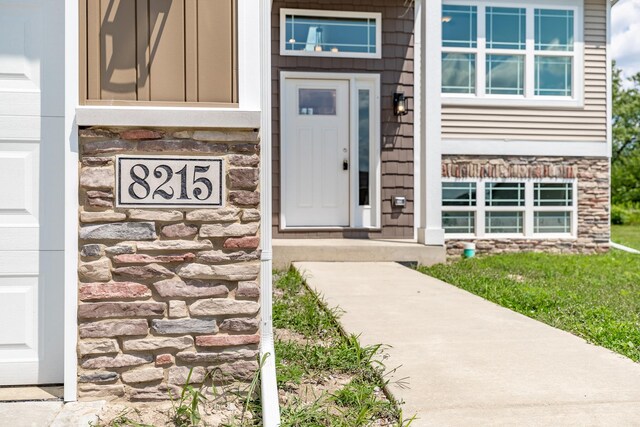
<point>72,95</point>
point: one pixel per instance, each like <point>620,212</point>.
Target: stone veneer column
<point>162,291</point>
<point>592,175</point>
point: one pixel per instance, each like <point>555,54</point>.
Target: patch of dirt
<point>159,414</point>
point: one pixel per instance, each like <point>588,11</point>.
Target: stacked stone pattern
<point>162,291</point>
<point>592,176</point>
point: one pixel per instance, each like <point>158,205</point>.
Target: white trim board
<point>486,147</point>
<point>167,116</point>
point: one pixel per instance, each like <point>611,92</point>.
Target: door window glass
<point>317,102</point>
<point>364,126</point>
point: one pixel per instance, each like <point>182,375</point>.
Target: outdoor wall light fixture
<point>400,104</point>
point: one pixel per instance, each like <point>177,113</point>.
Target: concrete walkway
<point>470,362</point>
<point>49,414</point>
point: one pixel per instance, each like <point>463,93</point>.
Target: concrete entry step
<point>287,251</point>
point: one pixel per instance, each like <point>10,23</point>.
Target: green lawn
<point>596,297</point>
<point>628,235</point>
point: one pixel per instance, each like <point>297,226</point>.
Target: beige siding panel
<point>142,49</point>
<point>118,52</point>
<point>167,52</point>
<point>215,65</point>
<point>166,23</point>
<point>537,124</point>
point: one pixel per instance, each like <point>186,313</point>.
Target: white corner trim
<point>249,44</point>
<point>167,117</point>
<point>484,147</point>
<point>71,224</point>
<point>429,223</point>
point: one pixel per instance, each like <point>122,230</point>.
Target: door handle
<point>345,165</point>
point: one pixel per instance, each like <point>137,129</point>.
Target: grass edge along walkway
<point>596,297</point>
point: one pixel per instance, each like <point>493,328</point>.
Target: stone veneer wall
<point>592,176</point>
<point>165,290</point>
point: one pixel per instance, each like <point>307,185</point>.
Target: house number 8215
<point>169,181</point>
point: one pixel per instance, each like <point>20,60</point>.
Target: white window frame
<point>528,210</point>
<point>529,99</point>
<point>329,14</point>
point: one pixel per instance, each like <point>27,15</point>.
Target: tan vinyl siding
<point>159,51</point>
<point>537,124</point>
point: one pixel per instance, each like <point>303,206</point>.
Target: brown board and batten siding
<point>537,124</point>
<point>160,51</point>
<point>396,71</point>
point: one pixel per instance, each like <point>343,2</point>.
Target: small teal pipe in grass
<point>469,250</point>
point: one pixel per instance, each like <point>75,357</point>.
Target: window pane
<point>504,194</point>
<point>458,193</point>
<point>459,26</point>
<point>552,222</point>
<point>553,194</point>
<point>506,28</point>
<point>317,102</point>
<point>459,73</point>
<point>505,74</point>
<point>325,34</point>
<point>553,75</point>
<point>503,222</point>
<point>554,29</point>
<point>364,126</point>
<point>459,222</point>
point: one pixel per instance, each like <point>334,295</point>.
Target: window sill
<point>550,103</point>
<point>167,117</point>
<point>505,236</point>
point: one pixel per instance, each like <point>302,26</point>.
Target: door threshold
<point>31,393</point>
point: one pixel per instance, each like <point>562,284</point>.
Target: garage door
<point>31,191</point>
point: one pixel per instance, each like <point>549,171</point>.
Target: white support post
<point>71,65</point>
<point>269,389</point>
<point>429,14</point>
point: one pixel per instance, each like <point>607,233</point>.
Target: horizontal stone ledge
<point>119,361</point>
<point>242,243</point>
<point>144,272</point>
<point>151,215</point>
<point>148,259</point>
<point>99,377</point>
<point>217,357</point>
<point>215,257</point>
<point>240,325</point>
<point>114,328</point>
<point>226,340</point>
<point>232,272</point>
<point>184,326</point>
<point>162,343</point>
<point>119,231</point>
<point>175,245</point>
<point>145,375</point>
<point>214,215</point>
<point>101,346</point>
<point>117,290</point>
<point>223,307</point>
<point>105,310</point>
<point>176,288</point>
<point>229,230</point>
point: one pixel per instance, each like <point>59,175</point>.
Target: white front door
<point>315,153</point>
<point>31,191</point>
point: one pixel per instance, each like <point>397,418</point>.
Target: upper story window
<point>330,33</point>
<point>160,52</point>
<point>493,52</point>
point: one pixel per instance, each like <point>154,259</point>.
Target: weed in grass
<point>123,419</point>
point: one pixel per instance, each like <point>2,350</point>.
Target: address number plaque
<point>161,181</point>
